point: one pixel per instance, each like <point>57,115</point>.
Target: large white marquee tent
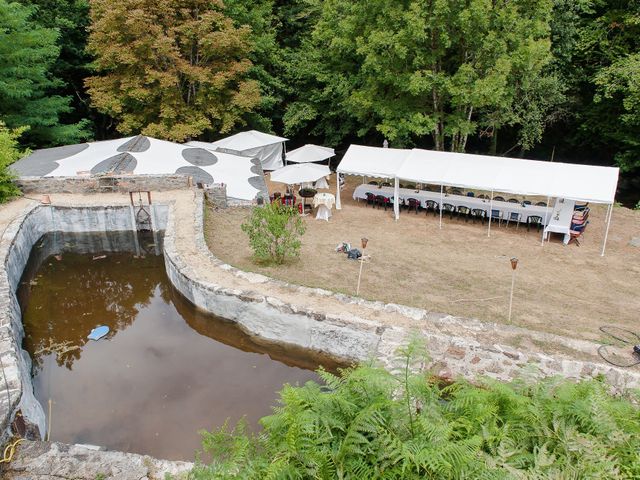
<point>267,148</point>
<point>142,155</point>
<point>496,174</point>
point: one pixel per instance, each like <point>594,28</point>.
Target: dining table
<point>560,219</point>
<point>523,210</point>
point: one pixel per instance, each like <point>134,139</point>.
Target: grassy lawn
<point>568,290</point>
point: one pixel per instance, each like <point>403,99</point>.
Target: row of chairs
<point>456,191</point>
<point>475,214</point>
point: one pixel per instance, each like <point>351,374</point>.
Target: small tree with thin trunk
<point>274,232</point>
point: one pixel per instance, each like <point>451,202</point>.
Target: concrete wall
<point>15,248</point>
<point>102,184</point>
<point>350,337</point>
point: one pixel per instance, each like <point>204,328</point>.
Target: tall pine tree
<point>28,53</point>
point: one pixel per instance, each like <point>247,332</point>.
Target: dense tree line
<point>516,77</point>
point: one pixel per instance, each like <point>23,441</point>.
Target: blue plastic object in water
<point>98,332</point>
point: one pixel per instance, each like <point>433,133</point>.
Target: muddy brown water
<point>165,371</point>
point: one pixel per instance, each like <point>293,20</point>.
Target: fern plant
<point>369,423</point>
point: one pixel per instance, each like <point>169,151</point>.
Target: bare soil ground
<point>567,290</point>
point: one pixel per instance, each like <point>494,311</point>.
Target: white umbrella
<point>310,153</point>
<point>300,173</point>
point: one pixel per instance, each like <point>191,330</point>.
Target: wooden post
<point>363,241</point>
<point>514,264</point>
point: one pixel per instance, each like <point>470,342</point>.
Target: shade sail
<point>310,153</point>
<point>141,155</point>
<point>372,161</point>
<point>300,173</point>
<point>266,147</point>
<point>511,175</point>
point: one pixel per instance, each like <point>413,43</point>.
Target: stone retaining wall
<point>16,390</point>
<point>101,184</point>
<point>354,338</point>
<point>344,336</point>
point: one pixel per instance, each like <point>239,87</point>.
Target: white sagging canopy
<point>372,161</point>
<point>141,155</point>
<point>267,148</point>
<point>310,153</point>
<point>511,175</point>
<point>300,173</point>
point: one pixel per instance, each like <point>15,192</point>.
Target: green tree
<point>596,44</point>
<point>620,83</point>
<point>9,153</point>
<point>170,70</point>
<point>371,423</point>
<point>28,52</point>
<point>422,67</point>
<point>266,58</point>
<point>274,232</point>
<point>71,19</point>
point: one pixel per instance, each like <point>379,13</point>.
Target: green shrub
<point>9,153</point>
<point>368,423</point>
<point>274,232</point>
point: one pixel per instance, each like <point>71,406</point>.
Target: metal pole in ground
<point>441,189</point>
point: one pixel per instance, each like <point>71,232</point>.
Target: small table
<point>560,219</point>
<point>324,202</point>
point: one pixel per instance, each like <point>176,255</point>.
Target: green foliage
<point>597,55</point>
<point>28,53</point>
<point>171,70</point>
<point>371,423</point>
<point>274,232</point>
<point>71,19</point>
<point>411,69</point>
<point>9,153</point>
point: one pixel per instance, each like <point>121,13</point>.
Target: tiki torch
<point>514,265</point>
<point>363,242</point>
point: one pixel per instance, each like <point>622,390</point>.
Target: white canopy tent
<point>369,162</point>
<point>300,173</point>
<point>496,174</point>
<point>267,148</point>
<point>310,153</point>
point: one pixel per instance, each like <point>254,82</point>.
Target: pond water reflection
<point>164,371</point>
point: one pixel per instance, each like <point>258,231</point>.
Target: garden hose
<point>615,333</point>
<point>9,451</point>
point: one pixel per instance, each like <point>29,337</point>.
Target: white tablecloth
<point>457,200</point>
<point>326,199</point>
<point>560,218</point>
<point>324,202</point>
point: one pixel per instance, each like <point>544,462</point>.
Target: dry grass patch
<point>567,290</point>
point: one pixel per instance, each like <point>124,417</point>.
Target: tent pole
<point>546,220</point>
<point>338,203</point>
<point>606,233</point>
<point>441,189</point>
<point>490,210</point>
<point>284,147</point>
<point>396,199</point>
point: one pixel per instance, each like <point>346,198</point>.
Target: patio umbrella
<point>300,173</point>
<point>310,153</point>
